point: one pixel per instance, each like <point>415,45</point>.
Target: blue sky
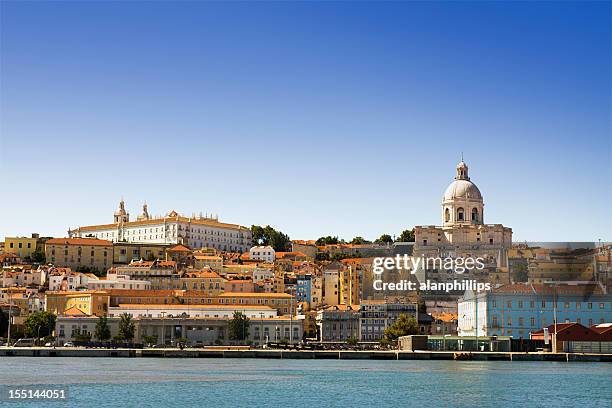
<point>317,118</point>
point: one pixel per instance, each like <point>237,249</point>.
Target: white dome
<point>462,189</point>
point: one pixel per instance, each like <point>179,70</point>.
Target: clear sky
<point>316,118</point>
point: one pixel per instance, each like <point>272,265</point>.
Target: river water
<point>151,382</point>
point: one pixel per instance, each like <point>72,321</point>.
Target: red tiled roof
<point>179,248</point>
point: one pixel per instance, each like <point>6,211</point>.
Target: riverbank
<point>295,354</point>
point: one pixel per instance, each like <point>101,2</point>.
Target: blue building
<point>303,288</point>
<point>518,309</point>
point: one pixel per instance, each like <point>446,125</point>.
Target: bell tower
<point>121,216</point>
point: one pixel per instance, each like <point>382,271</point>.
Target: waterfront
<point>112,382</point>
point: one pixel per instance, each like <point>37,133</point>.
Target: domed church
<point>463,231</point>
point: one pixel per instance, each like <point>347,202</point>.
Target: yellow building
<point>208,281</point>
<point>282,302</point>
<point>88,302</point>
<point>80,252</point>
<point>125,252</point>
<point>21,246</point>
<point>238,269</point>
<point>213,262</point>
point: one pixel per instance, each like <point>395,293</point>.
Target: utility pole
<point>8,340</point>
<point>554,348</point>
<point>476,319</point>
<point>261,315</point>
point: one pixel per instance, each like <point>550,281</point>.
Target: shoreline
<point>301,354</point>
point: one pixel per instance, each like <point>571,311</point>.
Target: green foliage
<point>269,236</point>
<point>126,328</point>
<point>39,324</point>
<point>82,336</point>
<point>48,339</point>
<point>359,241</point>
<point>239,326</point>
<point>406,236</point>
<point>322,256</point>
<point>102,332</point>
<point>384,239</point>
<point>352,341</point>
<point>520,272</point>
<point>38,256</point>
<point>422,308</point>
<point>150,339</point>
<point>403,326</point>
<point>328,240</point>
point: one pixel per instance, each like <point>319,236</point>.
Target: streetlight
<point>8,340</point>
<point>163,314</point>
<point>261,314</point>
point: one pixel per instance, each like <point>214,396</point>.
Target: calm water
<point>143,382</point>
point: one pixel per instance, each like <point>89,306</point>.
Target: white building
<point>114,281</point>
<point>260,274</point>
<point>195,232</point>
<point>263,253</point>
<point>192,311</point>
<point>67,280</point>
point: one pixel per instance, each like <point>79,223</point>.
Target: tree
<point>328,240</point>
<point>38,256</point>
<point>126,328</point>
<point>359,241</point>
<point>403,326</point>
<point>239,326</point>
<point>269,236</point>
<point>150,339</point>
<point>406,236</point>
<point>84,337</point>
<point>352,341</point>
<point>102,332</point>
<point>384,239</point>
<point>520,272</point>
<point>39,324</point>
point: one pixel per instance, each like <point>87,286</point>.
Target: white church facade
<point>173,228</point>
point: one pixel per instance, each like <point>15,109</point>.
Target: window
<point>532,322</point>
<point>447,215</point>
<point>475,214</point>
<point>509,321</point>
<point>602,306</point>
<point>509,304</point>
<point>589,305</point>
<point>520,304</point>
<point>521,321</point>
<point>460,214</point>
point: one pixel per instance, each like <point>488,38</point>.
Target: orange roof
<point>180,306</point>
<point>73,311</point>
<point>248,294</point>
<point>79,241</point>
<point>179,248</point>
<point>202,274</point>
<point>137,292</point>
